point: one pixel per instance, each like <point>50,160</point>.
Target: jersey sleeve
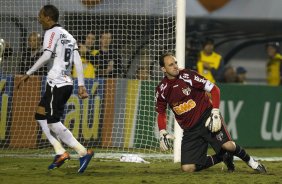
<point>49,41</point>
<point>40,62</point>
<point>161,104</point>
<point>200,82</point>
<point>78,66</point>
<point>160,108</point>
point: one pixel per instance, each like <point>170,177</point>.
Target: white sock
<point>66,136</point>
<point>56,144</point>
<point>252,163</point>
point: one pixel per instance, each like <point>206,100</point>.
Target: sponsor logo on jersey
<point>186,91</point>
<point>184,107</point>
<point>51,40</point>
<point>197,78</point>
<point>185,76</point>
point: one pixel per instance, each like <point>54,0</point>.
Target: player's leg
<point>240,152</point>
<point>222,140</point>
<point>194,152</point>
<point>61,155</point>
<point>60,97</point>
<point>41,119</point>
<point>217,140</point>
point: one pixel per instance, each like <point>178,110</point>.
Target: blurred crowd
<point>100,58</point>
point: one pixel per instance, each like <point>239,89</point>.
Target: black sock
<point>241,153</point>
<point>211,160</point>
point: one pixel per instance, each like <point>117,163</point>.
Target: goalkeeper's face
<point>170,67</point>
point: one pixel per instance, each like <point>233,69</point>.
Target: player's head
<point>168,64</point>
<point>48,16</point>
<point>90,39</point>
<point>34,40</point>
<point>105,39</point>
<point>208,45</point>
<point>272,48</point>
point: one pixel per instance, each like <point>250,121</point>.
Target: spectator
<point>228,75</point>
<point>8,51</point>
<point>9,60</point>
<point>87,50</point>
<point>210,63</point>
<point>31,54</point>
<point>273,66</point>
<point>109,62</point>
<point>241,75</point>
<point>143,70</point>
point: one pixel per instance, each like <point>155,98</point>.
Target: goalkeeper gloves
<point>166,140</point>
<point>213,123</point>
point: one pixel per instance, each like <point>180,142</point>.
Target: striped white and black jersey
<point>59,47</point>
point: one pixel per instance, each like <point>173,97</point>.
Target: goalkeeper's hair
<point>161,59</point>
<point>51,11</point>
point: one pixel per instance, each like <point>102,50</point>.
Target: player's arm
<point>166,139</point>
<point>82,92</point>
<point>213,123</point>
<point>39,63</point>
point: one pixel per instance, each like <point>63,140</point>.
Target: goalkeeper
<point>185,91</point>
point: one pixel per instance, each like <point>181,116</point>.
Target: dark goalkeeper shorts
<point>195,141</point>
<point>54,100</point>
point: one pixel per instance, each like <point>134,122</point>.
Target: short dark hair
<point>161,59</point>
<point>51,11</point>
<point>208,40</point>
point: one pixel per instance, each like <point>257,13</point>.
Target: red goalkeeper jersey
<point>186,96</point>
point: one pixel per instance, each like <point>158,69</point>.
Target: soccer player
<point>185,91</point>
<point>60,50</point>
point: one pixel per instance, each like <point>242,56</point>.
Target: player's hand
<point>82,92</point>
<point>22,80</point>
<point>166,140</point>
<point>213,123</point>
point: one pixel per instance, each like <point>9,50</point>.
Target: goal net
<point>120,42</point>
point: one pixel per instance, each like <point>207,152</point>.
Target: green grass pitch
<point>34,170</point>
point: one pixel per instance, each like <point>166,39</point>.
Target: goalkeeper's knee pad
<point>39,116</point>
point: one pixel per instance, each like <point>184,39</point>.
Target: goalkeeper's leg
<point>210,161</point>
<point>240,152</point>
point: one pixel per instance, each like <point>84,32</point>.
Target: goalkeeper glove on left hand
<point>166,140</point>
<point>213,123</point>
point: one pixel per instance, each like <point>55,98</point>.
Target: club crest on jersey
<point>186,91</point>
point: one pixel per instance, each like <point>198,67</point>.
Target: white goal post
<point>119,115</point>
